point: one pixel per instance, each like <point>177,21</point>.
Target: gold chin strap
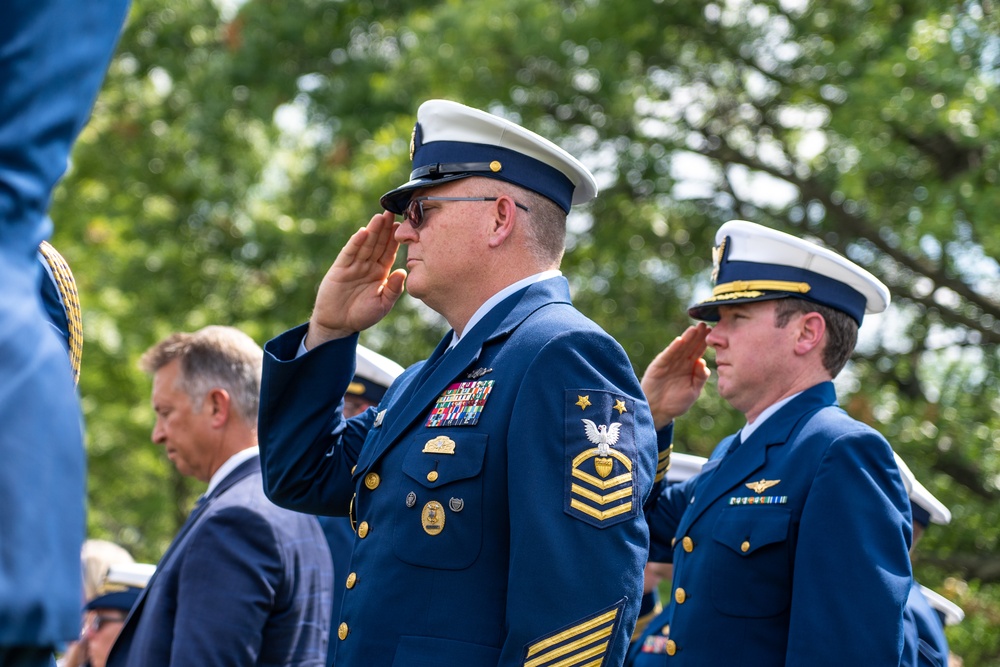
<point>757,285</point>
<point>71,302</point>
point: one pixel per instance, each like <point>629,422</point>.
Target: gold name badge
<point>439,445</point>
<point>432,518</point>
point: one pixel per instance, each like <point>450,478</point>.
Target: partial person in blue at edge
<point>53,57</point>
<point>373,373</point>
<point>927,611</point>
<point>244,582</point>
<point>649,641</point>
<point>498,488</point>
<point>790,547</point>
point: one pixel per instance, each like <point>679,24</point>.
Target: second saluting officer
<point>790,547</point>
<point>498,486</point>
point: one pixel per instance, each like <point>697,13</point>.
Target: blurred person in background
<point>244,582</point>
<point>105,614</point>
<point>927,611</point>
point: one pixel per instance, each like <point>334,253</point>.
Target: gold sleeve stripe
<point>663,463</point>
<point>597,514</point>
<point>576,646</point>
<point>71,302</point>
<point>602,484</point>
<point>573,660</point>
<point>599,499</point>
<point>756,285</point>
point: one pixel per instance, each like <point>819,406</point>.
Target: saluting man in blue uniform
<point>498,487</point>
<point>790,547</point>
<point>927,611</point>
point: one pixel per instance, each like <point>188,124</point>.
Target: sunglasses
<point>414,213</point>
<point>101,620</point>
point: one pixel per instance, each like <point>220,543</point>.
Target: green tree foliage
<point>236,146</point>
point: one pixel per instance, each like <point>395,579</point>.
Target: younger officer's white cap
<point>756,263</point>
<point>452,141</point>
<point>683,467</point>
<point>373,373</point>
<point>925,507</point>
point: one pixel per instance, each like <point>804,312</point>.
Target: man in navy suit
<point>244,582</point>
<point>927,611</point>
<point>790,547</point>
<point>53,56</point>
<point>498,487</point>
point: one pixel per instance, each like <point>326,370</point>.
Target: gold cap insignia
<point>717,254</point>
<point>356,388</point>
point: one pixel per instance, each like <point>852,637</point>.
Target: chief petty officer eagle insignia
<point>600,487</point>
<point>604,436</point>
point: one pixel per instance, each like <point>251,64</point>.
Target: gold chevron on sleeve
<point>663,463</point>
<point>582,645</point>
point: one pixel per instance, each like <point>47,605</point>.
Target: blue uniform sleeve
<point>664,448</point>
<point>578,539</point>
<point>307,448</point>
<point>854,533</point>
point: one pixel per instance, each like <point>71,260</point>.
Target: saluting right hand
<point>360,287</point>
<point>677,375</point>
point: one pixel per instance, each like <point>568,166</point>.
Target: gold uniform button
<point>688,544</point>
<point>673,542</point>
<point>342,631</point>
<point>745,547</point>
<point>671,647</point>
<point>362,529</point>
<point>352,579</point>
<point>432,476</point>
<point>372,480</point>
<point>353,468</point>
<point>680,595</point>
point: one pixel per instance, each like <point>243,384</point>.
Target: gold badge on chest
<point>432,518</point>
<point>439,445</point>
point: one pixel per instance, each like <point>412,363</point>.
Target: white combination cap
<point>757,263</point>
<point>452,141</point>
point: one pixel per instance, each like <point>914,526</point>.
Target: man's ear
<point>219,402</point>
<point>811,331</point>
<point>505,214</point>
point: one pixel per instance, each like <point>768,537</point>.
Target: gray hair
<point>546,228</point>
<point>213,357</point>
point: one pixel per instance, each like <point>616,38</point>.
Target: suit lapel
<point>241,471</point>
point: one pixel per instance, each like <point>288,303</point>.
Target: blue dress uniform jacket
<point>244,583</point>
<point>489,531</point>
<point>790,548</point>
<point>53,56</point>
<point>924,643</point>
